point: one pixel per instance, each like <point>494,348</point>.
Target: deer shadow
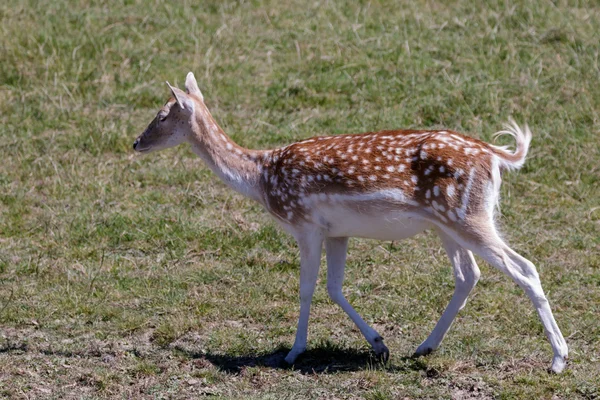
<point>322,359</point>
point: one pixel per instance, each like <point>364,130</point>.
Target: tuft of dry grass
<point>144,277</point>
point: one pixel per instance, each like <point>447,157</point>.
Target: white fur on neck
<point>242,184</point>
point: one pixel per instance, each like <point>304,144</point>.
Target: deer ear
<point>191,86</point>
<point>181,98</point>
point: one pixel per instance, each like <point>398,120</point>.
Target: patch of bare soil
<point>469,389</point>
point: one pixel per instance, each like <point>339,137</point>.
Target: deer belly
<point>390,225</point>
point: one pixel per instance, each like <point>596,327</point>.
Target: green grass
<point>124,276</point>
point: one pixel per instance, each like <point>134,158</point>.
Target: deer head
<point>174,121</point>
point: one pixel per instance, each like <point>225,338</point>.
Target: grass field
<point>127,276</point>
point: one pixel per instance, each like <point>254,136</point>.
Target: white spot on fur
<point>465,197</point>
<point>452,216</point>
<point>450,190</point>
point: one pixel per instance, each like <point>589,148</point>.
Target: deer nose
<point>137,141</point>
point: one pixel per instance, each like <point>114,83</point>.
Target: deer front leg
<point>310,259</point>
<point>336,249</point>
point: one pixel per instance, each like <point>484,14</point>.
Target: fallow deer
<point>386,185</point>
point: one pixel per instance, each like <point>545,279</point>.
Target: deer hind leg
<point>466,275</point>
<point>310,259</point>
<point>492,249</point>
<point>336,249</point>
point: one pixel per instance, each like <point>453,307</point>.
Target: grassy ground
<point>124,276</point>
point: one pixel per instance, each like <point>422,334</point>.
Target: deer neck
<point>238,167</point>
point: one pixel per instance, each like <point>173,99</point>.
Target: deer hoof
<point>558,364</point>
<point>381,350</point>
<point>423,350</point>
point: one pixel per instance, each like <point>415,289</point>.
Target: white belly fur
<point>340,221</point>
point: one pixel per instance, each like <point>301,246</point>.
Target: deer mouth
<point>136,147</point>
